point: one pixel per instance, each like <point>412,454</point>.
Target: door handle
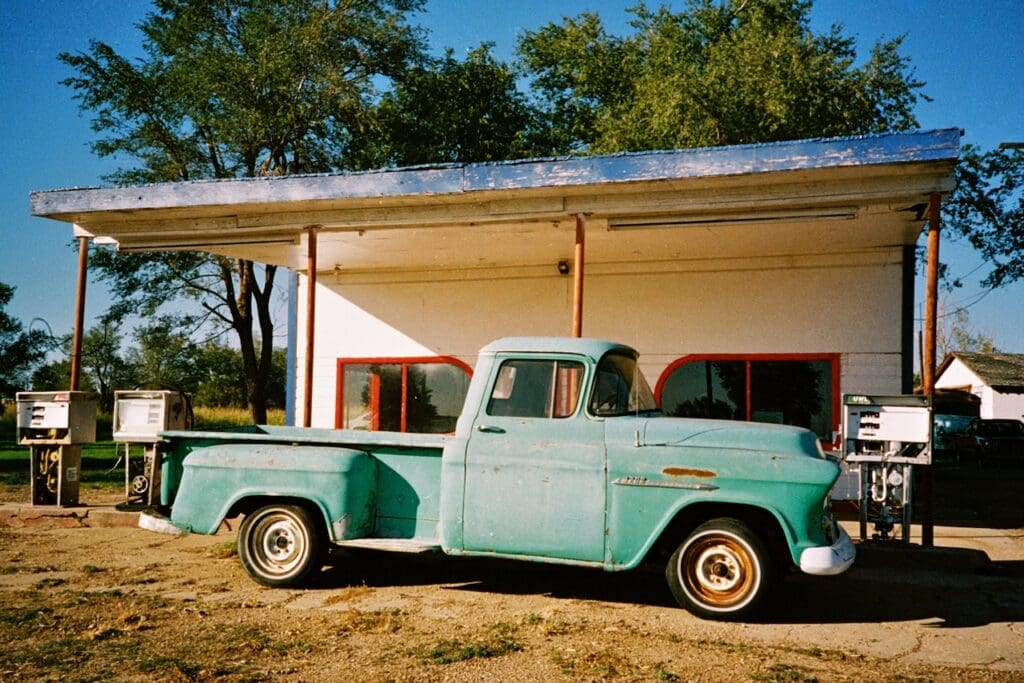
<point>490,429</point>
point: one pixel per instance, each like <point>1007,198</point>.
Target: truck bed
<point>408,468</point>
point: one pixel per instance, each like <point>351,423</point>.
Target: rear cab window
<point>536,388</point>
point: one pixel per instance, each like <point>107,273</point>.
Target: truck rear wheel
<point>721,571</point>
<point>280,545</point>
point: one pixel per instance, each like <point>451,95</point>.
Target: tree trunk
<point>240,303</point>
<point>256,357</point>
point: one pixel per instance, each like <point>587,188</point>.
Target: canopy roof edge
<point>519,175</point>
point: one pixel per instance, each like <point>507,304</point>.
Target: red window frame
<point>747,358</point>
<point>405,362</point>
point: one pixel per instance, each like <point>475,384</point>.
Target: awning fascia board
<point>565,173</point>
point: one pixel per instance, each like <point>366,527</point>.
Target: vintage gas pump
<point>54,425</point>
<point>885,436</point>
<point>139,417</point>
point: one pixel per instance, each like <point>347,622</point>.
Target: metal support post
<point>307,397</point>
<point>928,378</point>
<point>579,258</point>
<point>76,340</point>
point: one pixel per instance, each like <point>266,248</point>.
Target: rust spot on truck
<point>683,472</point>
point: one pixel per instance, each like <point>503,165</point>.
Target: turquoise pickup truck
<point>560,455</point>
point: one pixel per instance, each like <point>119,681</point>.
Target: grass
<point>598,664</point>
<point>500,641</point>
<point>222,418</point>
<point>161,663</point>
<point>781,671</point>
<point>376,621</point>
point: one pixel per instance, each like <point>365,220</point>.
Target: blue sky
<point>970,55</point>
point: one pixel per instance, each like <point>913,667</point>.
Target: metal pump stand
<point>139,417</point>
<point>886,436</point>
<point>54,425</point>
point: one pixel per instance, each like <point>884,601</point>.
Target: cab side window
<point>536,388</point>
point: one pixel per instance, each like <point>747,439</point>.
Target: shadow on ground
<point>949,587</point>
<point>985,496</point>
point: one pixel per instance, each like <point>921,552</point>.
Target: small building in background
<point>997,379</point>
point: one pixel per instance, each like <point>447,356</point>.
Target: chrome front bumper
<point>829,560</point>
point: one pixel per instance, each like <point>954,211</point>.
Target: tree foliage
<point>446,110</point>
<point>987,208</point>
<point>102,361</point>
<point>104,369</point>
<point>237,295</point>
<point>159,357</point>
<point>717,73</point>
<point>956,333</point>
<point>234,88</point>
<point>231,88</point>
<point>20,349</point>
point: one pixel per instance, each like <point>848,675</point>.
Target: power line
<point>962,307</point>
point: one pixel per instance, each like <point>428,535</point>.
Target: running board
<point>391,545</point>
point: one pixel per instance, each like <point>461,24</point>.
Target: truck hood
<point>726,434</point>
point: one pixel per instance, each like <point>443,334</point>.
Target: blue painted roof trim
<point>892,148</point>
<point>704,162</point>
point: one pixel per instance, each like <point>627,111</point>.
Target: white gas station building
<point>758,282</point>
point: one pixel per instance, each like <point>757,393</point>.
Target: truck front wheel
<point>280,545</point>
<point>721,571</point>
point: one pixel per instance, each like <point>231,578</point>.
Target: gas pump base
<point>142,476</point>
<point>56,471</point>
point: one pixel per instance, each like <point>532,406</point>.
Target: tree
<point>54,376</point>
<point>165,358</point>
<point>447,110</point>
<point>719,73</point>
<point>956,333</point>
<point>222,382</point>
<point>20,349</point>
<point>103,363</point>
<point>987,208</point>
<point>104,366</point>
<point>231,88</point>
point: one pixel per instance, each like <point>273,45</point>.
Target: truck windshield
<point>620,388</point>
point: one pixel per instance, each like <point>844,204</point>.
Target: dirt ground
<point>100,603</point>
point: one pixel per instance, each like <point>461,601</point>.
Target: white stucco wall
<point>1006,406</point>
<point>959,376</point>
<point>845,303</point>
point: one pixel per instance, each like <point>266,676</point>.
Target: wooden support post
<point>307,388</point>
<point>928,352</point>
<point>78,333</point>
<point>579,258</point>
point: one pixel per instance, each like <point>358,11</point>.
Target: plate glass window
<point>401,396</point>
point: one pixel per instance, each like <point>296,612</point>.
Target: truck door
<point>535,466</point>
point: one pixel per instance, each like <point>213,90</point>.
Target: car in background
<point>947,431</point>
<point>990,441</point>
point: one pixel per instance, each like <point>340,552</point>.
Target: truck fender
<point>685,515</point>
<point>340,483</point>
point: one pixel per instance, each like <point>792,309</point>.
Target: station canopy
<point>822,196</point>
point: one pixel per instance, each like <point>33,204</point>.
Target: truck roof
<point>594,348</point>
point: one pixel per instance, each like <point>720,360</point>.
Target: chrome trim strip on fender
<point>644,481</point>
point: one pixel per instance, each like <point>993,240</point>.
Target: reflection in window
<point>421,396</point>
<point>536,388</point>
<point>706,389</point>
<point>799,392</point>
